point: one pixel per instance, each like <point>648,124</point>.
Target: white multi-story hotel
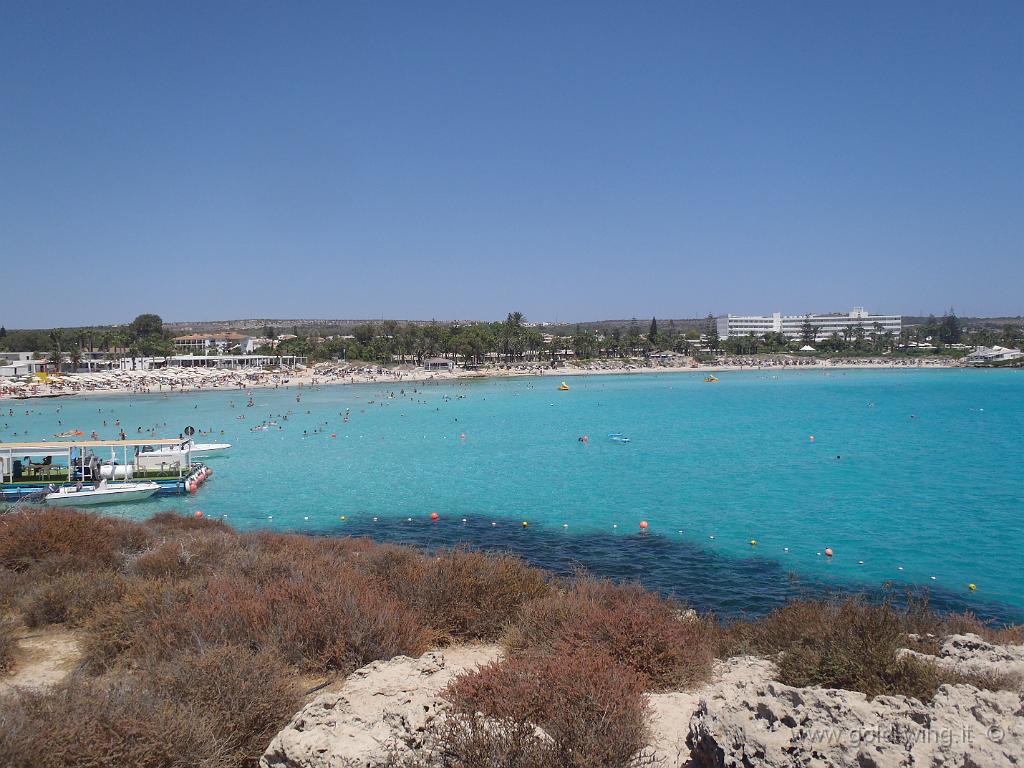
<point>824,325</point>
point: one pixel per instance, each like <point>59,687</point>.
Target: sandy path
<point>44,657</point>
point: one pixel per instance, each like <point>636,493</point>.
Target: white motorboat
<point>102,493</point>
<point>198,450</point>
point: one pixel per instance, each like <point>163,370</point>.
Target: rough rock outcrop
<point>743,718</point>
<point>747,719</point>
<point>383,709</point>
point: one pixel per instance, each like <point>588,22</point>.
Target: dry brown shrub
<point>216,709</point>
<point>69,598</point>
<point>797,621</point>
<point>248,697</point>
<point>333,620</point>
<point>590,709</point>
<point>854,646</point>
<point>169,522</point>
<point>964,623</point>
<point>87,541</point>
<point>91,724</point>
<point>12,586</point>
<point>8,642</point>
<point>117,627</point>
<point>186,555</point>
<point>464,595</point>
<point>653,636</point>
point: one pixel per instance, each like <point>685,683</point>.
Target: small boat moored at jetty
<point>198,450</point>
<point>38,469</point>
<point>103,493</point>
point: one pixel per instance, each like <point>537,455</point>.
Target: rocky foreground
<point>386,712</point>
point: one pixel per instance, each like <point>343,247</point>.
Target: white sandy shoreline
<point>174,381</point>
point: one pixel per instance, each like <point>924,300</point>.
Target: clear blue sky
<point>458,160</point>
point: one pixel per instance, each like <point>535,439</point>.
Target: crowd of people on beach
<point>167,380</point>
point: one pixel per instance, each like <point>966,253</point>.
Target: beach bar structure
<point>28,468</point>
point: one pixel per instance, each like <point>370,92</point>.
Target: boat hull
<point>101,496</point>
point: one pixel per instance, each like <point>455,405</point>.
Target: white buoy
<point>463,519</point>
<point>932,578</point>
<point>270,517</point>
<point>305,518</point>
<point>899,567</point>
<point>785,549</point>
<point>565,525</point>
<point>375,519</point>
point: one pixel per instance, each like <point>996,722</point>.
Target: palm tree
<point>56,355</point>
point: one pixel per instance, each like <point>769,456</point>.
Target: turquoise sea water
<point>917,473</point>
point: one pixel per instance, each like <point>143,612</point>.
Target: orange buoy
<point>333,435</point>
<point>199,514</point>
<point>434,515</point>
<point>828,551</point>
<point>192,487</point>
<point>209,472</point>
<point>643,525</point>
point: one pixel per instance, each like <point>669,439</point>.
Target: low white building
<point>438,364</point>
<point>824,325</point>
<point>213,344</point>
<point>996,354</point>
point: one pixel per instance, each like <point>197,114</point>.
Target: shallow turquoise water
<point>929,480</point>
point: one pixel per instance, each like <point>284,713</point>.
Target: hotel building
<point>792,325</point>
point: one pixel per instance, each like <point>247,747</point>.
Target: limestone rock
<point>747,719</point>
<point>383,709</point>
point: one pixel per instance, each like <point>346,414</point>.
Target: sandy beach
<point>178,380</point>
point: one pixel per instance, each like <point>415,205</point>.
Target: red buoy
<point>643,525</point>
<point>434,515</point>
<point>199,513</point>
<point>192,487</point>
<point>828,551</point>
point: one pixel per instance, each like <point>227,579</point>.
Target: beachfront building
<point>996,354</point>
<point>824,325</point>
<point>438,364</point>
<point>21,364</point>
<point>213,344</point>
